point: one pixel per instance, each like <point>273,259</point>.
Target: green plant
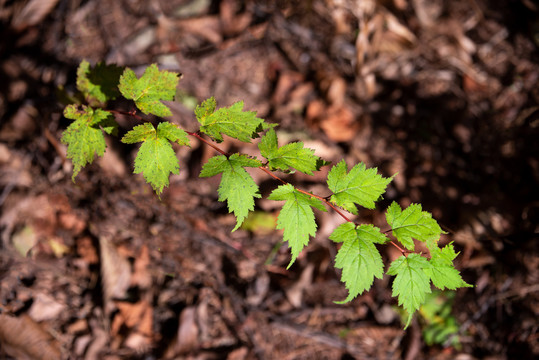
<point>358,256</point>
<point>439,325</point>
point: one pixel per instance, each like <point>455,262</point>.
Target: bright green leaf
<point>231,121</point>
<point>358,258</point>
<point>412,223</point>
<point>99,82</point>
<point>205,109</point>
<point>411,283</point>
<point>139,133</point>
<point>442,272</point>
<point>173,133</point>
<point>147,92</point>
<point>360,186</point>
<point>237,186</point>
<point>296,217</point>
<point>84,137</point>
<point>293,155</point>
<point>156,158</point>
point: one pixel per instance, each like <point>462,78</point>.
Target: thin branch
<point>199,137</point>
<point>264,168</point>
<point>132,113</point>
<point>323,199</point>
<point>270,173</point>
<point>398,247</point>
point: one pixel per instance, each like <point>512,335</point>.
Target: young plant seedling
<point>358,257</point>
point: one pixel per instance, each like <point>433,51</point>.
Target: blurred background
<point>444,93</point>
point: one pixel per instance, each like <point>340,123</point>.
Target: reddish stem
<point>398,247</point>
<point>263,168</point>
<point>132,113</point>
<point>323,199</point>
<point>199,137</point>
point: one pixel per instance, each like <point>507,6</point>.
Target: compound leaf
<point>237,187</point>
<point>99,82</point>
<point>147,92</point>
<point>358,258</point>
<point>156,158</point>
<point>296,217</point>
<point>412,223</point>
<point>84,137</point>
<point>231,121</point>
<point>293,155</point>
<point>360,186</point>
<point>442,272</point>
<point>411,283</point>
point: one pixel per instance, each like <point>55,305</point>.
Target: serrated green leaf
<point>147,92</point>
<point>156,158</point>
<point>173,133</point>
<point>412,223</point>
<point>358,258</point>
<point>231,121</point>
<point>293,155</point>
<point>411,283</point>
<point>99,82</point>
<point>442,271</point>
<point>296,217</point>
<point>84,137</point>
<point>139,133</point>
<point>206,108</point>
<point>237,187</point>
<point>360,186</point>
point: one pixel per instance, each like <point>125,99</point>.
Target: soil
<point>443,93</point>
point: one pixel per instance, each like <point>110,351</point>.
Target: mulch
<point>443,93</point>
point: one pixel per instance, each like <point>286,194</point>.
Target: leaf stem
<point>403,251</point>
<point>132,113</point>
<point>264,168</point>
<point>270,173</point>
<point>398,247</point>
<point>323,199</point>
<point>199,137</point>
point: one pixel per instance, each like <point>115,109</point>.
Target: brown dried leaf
<point>45,307</point>
<point>294,294</point>
<point>24,339</point>
<point>115,271</point>
<point>87,251</point>
<point>32,13</point>
<point>141,276</point>
<point>136,316</point>
<point>207,27</point>
<point>428,11</point>
<point>188,331</point>
<point>287,81</point>
<point>231,22</point>
<point>340,124</point>
<point>39,213</point>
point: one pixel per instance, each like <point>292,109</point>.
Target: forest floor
<point>443,93</point>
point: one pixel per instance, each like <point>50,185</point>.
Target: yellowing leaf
<point>231,121</point>
<point>156,159</point>
<point>147,92</point>
<point>84,137</point>
<point>99,82</point>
